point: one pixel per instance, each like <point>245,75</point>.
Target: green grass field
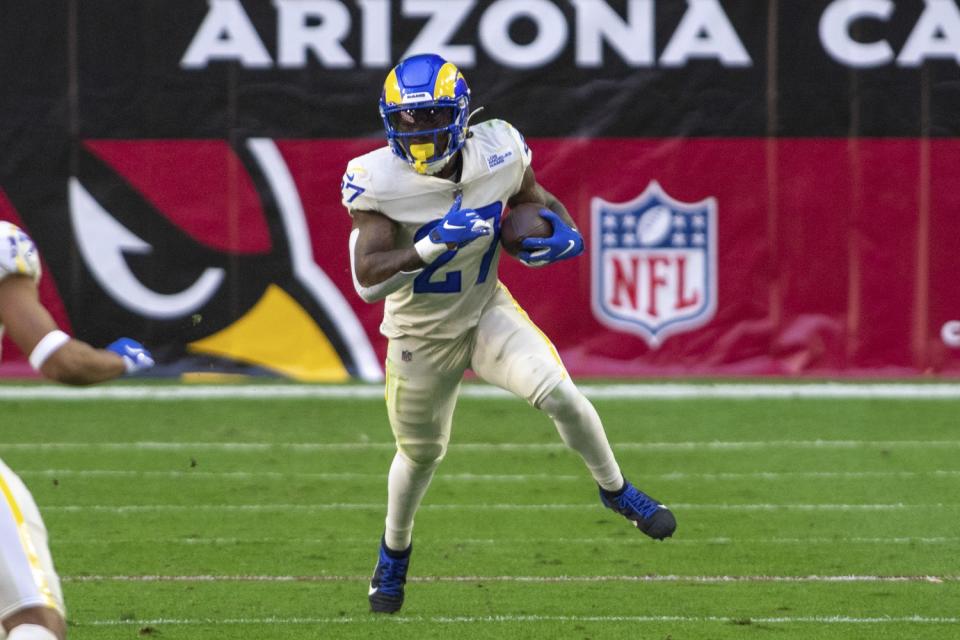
<point>203,519</point>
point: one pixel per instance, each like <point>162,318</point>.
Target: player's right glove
<point>566,242</point>
<point>135,356</point>
<point>458,227</point>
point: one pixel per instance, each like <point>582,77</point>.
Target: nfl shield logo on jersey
<point>654,264</point>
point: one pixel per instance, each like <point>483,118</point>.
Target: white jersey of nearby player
<point>446,299</point>
<point>18,255</point>
<point>27,576</point>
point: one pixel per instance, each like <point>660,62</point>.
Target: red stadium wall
<point>835,257</point>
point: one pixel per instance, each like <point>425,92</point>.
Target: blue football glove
<point>135,356</point>
<point>460,226</point>
<point>565,242</point>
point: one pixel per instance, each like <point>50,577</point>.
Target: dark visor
<point>422,118</point>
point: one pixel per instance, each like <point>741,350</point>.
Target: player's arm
<point>51,351</point>
<point>379,268</point>
<point>532,191</point>
<point>374,256</point>
<point>566,241</point>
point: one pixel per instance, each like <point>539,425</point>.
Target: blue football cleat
<point>386,586</point>
<point>646,512</point>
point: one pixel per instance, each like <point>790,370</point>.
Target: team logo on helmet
<point>654,264</point>
<point>425,106</point>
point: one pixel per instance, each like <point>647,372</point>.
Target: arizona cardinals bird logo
<point>204,249</point>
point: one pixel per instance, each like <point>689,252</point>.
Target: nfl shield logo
<point>654,264</point>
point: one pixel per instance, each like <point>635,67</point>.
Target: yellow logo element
<point>446,81</point>
<point>278,334</point>
<point>391,88</point>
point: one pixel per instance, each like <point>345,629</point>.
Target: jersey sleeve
<point>526,155</point>
<point>356,188</point>
<point>18,254</point>
<point>523,149</point>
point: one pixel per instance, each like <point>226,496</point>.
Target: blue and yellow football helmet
<point>425,106</point>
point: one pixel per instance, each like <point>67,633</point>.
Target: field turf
<point>208,519</point>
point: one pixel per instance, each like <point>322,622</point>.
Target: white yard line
<point>277,475</point>
<point>668,391</point>
<point>722,579</point>
<point>707,445</point>
<point>478,477</point>
<point>352,506</point>
<point>627,541</point>
<point>453,620</point>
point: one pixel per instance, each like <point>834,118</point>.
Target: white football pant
<point>423,378</point>
<point>27,576</point>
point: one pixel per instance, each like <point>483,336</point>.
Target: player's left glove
<point>566,242</point>
<point>135,356</point>
<point>458,228</point>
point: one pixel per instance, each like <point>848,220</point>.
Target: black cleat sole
<point>660,526</point>
<point>380,603</point>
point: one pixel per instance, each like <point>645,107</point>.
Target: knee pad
<point>565,402</point>
<point>423,454</point>
<point>31,632</point>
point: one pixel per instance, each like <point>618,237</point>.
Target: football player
<point>31,601</point>
<point>426,218</point>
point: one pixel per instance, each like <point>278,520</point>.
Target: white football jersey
<point>18,255</point>
<point>446,299</point>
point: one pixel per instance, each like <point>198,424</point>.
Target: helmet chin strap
<point>433,168</point>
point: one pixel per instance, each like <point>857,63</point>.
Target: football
<point>523,221</point>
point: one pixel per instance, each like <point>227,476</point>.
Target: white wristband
<point>428,250</point>
<point>45,348</point>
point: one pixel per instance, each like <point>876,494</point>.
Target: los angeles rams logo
<point>654,264</point>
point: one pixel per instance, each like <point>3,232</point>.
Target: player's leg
<point>31,601</point>
<point>36,623</point>
<point>580,427</point>
<point>423,378</point>
<point>421,390</point>
<point>514,354</point>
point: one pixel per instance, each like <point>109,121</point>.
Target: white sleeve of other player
<point>18,254</point>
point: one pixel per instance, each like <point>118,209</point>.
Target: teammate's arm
<point>29,323</point>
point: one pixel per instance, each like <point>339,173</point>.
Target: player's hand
<point>459,226</point>
<point>566,242</point>
<point>135,356</point>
